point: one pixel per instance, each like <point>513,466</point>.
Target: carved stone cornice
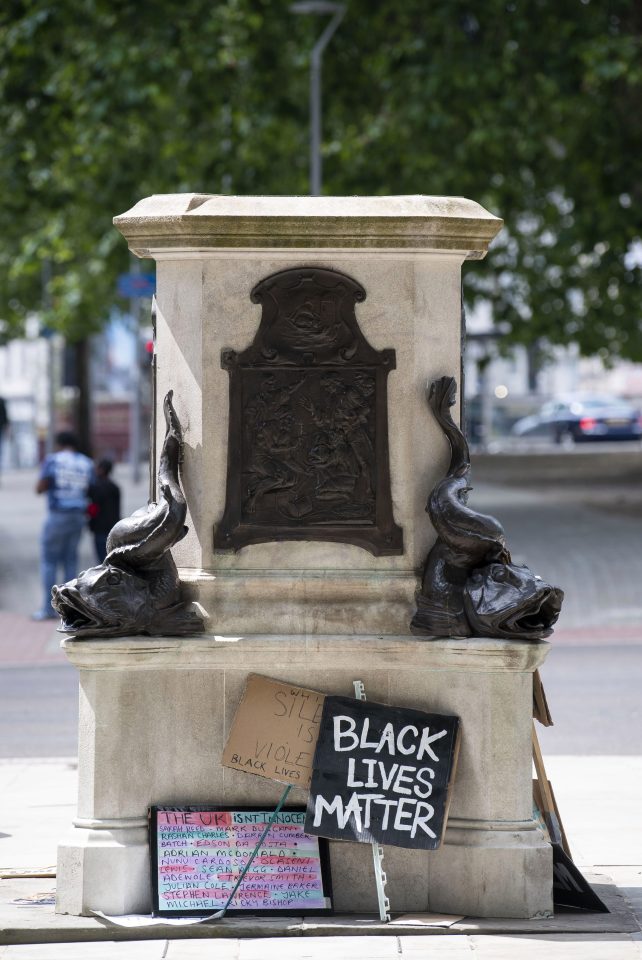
<point>202,222</point>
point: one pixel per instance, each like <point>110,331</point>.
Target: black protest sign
<point>570,888</point>
<point>382,774</point>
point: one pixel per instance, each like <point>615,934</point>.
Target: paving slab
<point>27,916</point>
<point>563,947</point>
<point>37,807</point>
<point>599,802</point>
<point>199,950</point>
<point>142,950</point>
<point>366,948</point>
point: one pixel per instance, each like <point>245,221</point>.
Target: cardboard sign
<point>198,853</point>
<point>275,731</point>
<point>382,774</point>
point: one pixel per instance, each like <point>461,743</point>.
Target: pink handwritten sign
<point>198,854</point>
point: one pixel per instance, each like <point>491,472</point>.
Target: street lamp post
<point>336,10</point>
<point>51,359</point>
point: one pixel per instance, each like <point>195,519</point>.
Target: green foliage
<point>531,108</point>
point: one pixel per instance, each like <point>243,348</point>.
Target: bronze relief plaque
<point>308,436</point>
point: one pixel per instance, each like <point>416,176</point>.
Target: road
<point>584,538</point>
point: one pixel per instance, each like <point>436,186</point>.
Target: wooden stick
<point>548,803</point>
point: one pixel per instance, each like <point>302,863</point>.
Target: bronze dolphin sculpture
<point>470,586</point>
<point>137,588</point>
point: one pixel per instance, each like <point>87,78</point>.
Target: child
<point>104,507</point>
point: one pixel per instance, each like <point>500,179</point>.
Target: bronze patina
<point>137,588</point>
<point>308,434</point>
<point>470,586</point>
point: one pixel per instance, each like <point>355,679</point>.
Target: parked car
<point>581,419</point>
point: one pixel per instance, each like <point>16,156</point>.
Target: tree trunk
<point>83,407</point>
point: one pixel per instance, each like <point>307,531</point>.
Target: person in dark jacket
<point>4,424</point>
<point>104,507</point>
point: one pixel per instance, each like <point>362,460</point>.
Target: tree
<point>533,109</point>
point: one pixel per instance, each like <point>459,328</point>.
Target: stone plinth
<point>155,713</point>
<point>211,251</point>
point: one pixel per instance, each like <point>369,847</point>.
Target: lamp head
<point>316,6</point>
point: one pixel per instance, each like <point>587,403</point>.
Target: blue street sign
<point>136,284</point>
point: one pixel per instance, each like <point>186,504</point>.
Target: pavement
<point>37,804</point>
<point>588,540</point>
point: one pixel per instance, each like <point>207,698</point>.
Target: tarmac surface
<point>585,535</point>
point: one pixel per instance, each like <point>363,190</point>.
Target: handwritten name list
<point>200,853</point>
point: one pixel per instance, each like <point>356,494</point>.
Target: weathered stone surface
<point>159,225</point>
<point>406,252</point>
<point>420,301</point>
<point>156,712</point>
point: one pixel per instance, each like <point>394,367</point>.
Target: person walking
<point>104,506</point>
<point>65,477</point>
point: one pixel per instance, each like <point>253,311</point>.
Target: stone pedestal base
<point>104,865</point>
<point>154,717</point>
